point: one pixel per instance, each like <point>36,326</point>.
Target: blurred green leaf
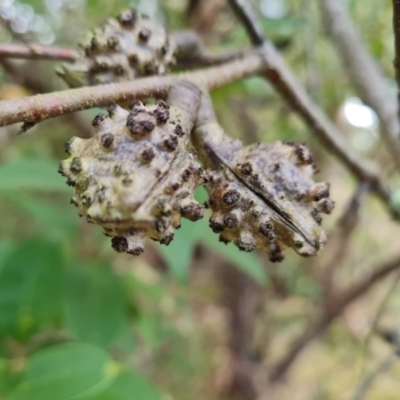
<point>30,287</point>
<point>96,304</point>
<point>33,174</point>
<point>6,246</point>
<point>52,218</point>
<point>128,386</point>
<point>67,371</point>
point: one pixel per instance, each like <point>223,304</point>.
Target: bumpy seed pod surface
<point>135,177</point>
<point>262,196</point>
<point>124,48</point>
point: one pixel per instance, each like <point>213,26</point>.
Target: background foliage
<point>79,321</point>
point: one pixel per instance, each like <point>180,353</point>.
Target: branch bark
<point>365,74</point>
<point>35,51</point>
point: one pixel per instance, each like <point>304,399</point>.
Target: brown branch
<point>336,307</point>
<point>35,51</point>
<point>38,108</point>
<point>286,83</point>
<point>36,83</point>
<point>365,74</point>
<point>396,30</point>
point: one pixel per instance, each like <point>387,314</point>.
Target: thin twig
<point>336,307</point>
<point>365,74</point>
<point>35,51</point>
<point>340,241</point>
<point>382,368</point>
<point>36,83</point>
<point>396,30</point>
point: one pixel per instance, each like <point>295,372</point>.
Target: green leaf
<point>54,219</point>
<point>96,304</point>
<point>30,287</point>
<point>33,174</point>
<point>6,246</point>
<point>67,371</point>
<point>129,386</point>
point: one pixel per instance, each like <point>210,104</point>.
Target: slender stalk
<point>396,30</point>
<point>337,305</point>
<point>35,51</point>
<point>364,72</point>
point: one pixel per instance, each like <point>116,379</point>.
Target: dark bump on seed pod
<point>137,251</point>
<point>127,181</point>
<point>76,165</point>
<point>107,140</point>
<point>247,168</point>
<point>112,42</point>
<point>231,197</point>
<point>274,249</point>
<point>316,216</point>
<point>179,131</point>
<point>277,166</point>
<point>193,152</point>
<point>111,110</point>
<point>216,226</point>
<point>119,69</point>
<point>67,147</point>
<point>144,34</point>
<point>244,245</point>
<point>127,18</point>
<point>98,119</point>
<point>161,113</point>
<point>94,43</point>
<point>147,154</point>
<point>171,143</point>
<point>61,170</point>
<point>86,201</point>
<point>139,126</point>
<point>276,258</point>
<point>223,240</point>
<point>231,221</point>
<point>298,244</point>
<point>255,213</point>
<point>150,68</point>
<point>167,239</point>
<point>175,186</point>
<point>72,201</point>
<point>186,175</point>
<point>265,228</point>
<point>322,192</point>
<point>71,182</point>
<point>303,154</point>
<point>133,59</point>
<point>289,143</point>
<point>161,225</point>
<point>192,212</point>
<point>119,244</point>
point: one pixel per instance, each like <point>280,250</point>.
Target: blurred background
<point>197,319</point>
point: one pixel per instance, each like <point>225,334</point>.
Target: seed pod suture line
<point>135,177</point>
<point>126,47</point>
<point>262,196</point>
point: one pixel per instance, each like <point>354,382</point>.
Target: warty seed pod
<point>262,196</point>
<point>135,177</point>
<point>124,48</point>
